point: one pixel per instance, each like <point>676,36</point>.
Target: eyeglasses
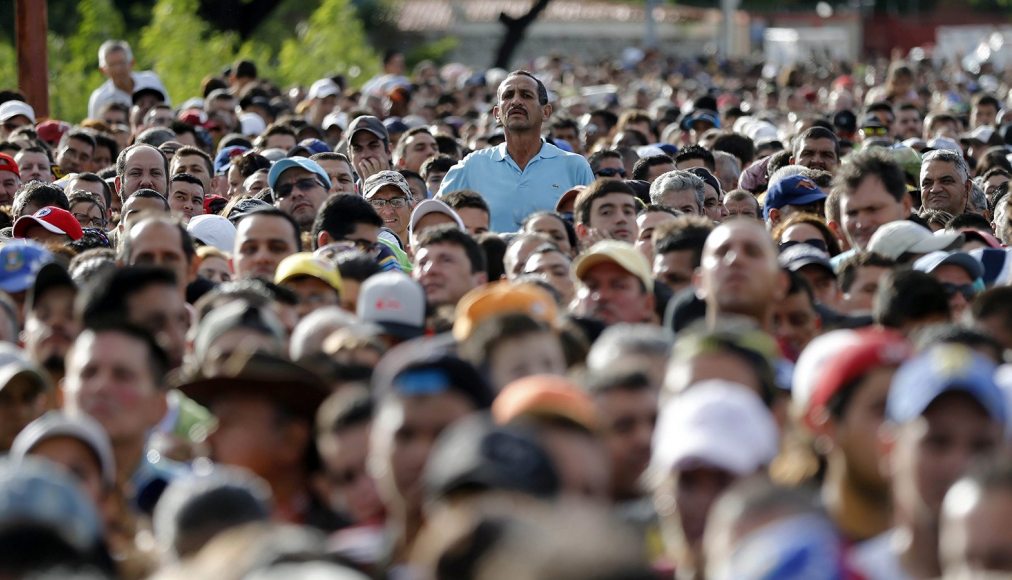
<point>88,221</point>
<point>967,290</point>
<point>396,203</point>
<point>875,131</point>
<point>611,172</point>
<point>365,246</point>
<point>305,184</point>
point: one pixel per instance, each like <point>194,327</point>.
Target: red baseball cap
<point>53,219</point>
<point>52,131</point>
<point>874,348</point>
<point>7,163</point>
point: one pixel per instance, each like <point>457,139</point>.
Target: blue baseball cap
<point>706,115</point>
<point>315,145</point>
<point>20,261</point>
<point>939,370</point>
<point>301,162</point>
<point>793,190</point>
<point>223,160</point>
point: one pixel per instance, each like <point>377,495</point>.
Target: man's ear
<point>697,283</point>
<point>322,239</point>
<point>495,114</point>
<point>774,216</point>
<point>581,230</point>
<point>886,443</point>
<point>783,284</point>
<point>546,111</point>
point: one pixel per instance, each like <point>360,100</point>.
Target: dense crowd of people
<point>651,318</point>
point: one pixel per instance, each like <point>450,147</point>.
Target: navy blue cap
<point>939,370</point>
<point>793,190</point>
<point>701,115</point>
<point>223,160</point>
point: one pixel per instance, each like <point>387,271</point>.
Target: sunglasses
<point>967,290</point>
<point>305,184</point>
<point>610,172</point>
<point>814,242</point>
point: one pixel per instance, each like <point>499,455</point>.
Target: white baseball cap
<point>323,88</point>
<point>11,109</point>
<point>252,124</point>
<point>213,230</point>
<point>433,206</point>
<point>718,424</point>
<point>894,239</point>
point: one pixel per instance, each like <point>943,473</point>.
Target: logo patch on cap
<point>43,212</point>
<point>15,260</point>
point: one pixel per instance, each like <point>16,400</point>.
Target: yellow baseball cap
<point>501,298</point>
<point>306,264</point>
<point>620,253</point>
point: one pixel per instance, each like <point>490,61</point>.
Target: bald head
<point>739,273</point>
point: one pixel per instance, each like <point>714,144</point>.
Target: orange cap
<point>487,301</point>
<point>545,396</point>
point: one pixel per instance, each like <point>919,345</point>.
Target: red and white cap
<point>7,163</point>
<point>53,219</point>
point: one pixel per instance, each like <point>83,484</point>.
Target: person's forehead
<point>387,192</point>
<point>363,137</point>
<point>548,258</point>
<point>420,137</point>
<point>938,166</point>
<point>189,161</point>
<point>4,174</point>
<point>78,143</point>
<point>653,218</point>
<point>439,248</point>
<point>86,205</point>
<point>607,269</point>
<point>264,226</point>
<point>187,187</point>
<point>148,233</point>
<point>516,82</point>
<point>335,165</point>
<point>546,222</point>
<point>739,232</point>
<point>144,156</point>
<point>69,443</point>
<point>137,203</point>
<point>818,143</point>
<point>32,156</point>
<point>951,271</point>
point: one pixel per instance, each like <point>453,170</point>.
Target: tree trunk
<point>515,29</point>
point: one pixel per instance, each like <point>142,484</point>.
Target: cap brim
<point>25,222</point>
<point>399,330</point>
<point>13,370</point>
<point>588,261</point>
<point>299,398</point>
<point>937,242</point>
<point>801,263</point>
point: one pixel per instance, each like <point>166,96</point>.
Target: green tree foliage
<point>182,48</point>
<point>73,62</point>
<point>331,42</point>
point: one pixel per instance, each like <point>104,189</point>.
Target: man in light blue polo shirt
<point>524,174</point>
